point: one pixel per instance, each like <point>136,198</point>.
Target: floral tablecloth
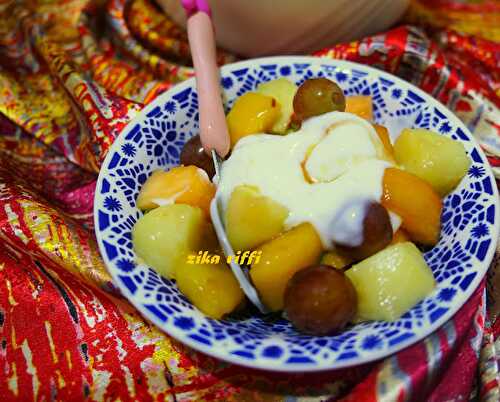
<point>72,74</point>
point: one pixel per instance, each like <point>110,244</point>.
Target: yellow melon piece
<point>252,219</point>
<point>283,91</point>
<point>212,288</point>
<point>440,161</point>
<point>166,235</point>
<point>391,282</point>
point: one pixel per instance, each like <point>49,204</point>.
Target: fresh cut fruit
<point>212,288</point>
<point>165,236</point>
<point>439,160</point>
<point>416,202</point>
<point>391,282</point>
<point>181,185</point>
<point>252,219</point>
<point>281,257</point>
<point>252,113</point>
<point>283,91</point>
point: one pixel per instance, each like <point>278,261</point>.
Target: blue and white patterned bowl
<point>470,223</point>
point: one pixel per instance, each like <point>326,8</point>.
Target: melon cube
<point>252,219</point>
<point>440,161</point>
<point>391,282</point>
<point>283,91</point>
<point>166,235</point>
<point>212,288</point>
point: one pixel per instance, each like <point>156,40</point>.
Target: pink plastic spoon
<point>213,129</point>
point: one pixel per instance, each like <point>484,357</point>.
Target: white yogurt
<point>333,163</point>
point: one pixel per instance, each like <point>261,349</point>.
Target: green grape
<point>317,96</point>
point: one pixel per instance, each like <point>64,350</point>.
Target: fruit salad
<point>328,212</point>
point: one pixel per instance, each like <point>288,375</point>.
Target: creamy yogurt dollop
<point>324,173</point>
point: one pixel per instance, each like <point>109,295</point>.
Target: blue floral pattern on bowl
<point>154,140</point>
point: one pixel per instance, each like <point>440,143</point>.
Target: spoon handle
<point>213,127</point>
<point>242,276</point>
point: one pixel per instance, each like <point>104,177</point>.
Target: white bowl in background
<point>277,27</point>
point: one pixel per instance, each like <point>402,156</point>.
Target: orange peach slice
<point>383,134</point>
<point>359,105</point>
<point>416,202</point>
<point>180,185</point>
<point>252,113</point>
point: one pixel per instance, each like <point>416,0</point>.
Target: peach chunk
<point>252,113</point>
<point>383,134</point>
<point>212,288</point>
<point>360,105</point>
<point>281,258</point>
<point>181,185</point>
<point>416,202</point>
